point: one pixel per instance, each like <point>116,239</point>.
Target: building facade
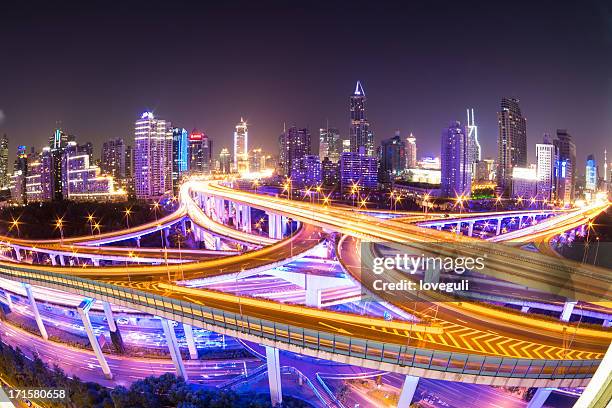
<point>511,142</point>
<point>241,147</point>
<point>359,132</point>
<point>152,157</point>
<point>411,152</point>
<point>294,144</point>
<point>455,161</point>
<point>4,161</point>
<point>330,144</point>
<point>567,155</point>
<point>547,156</point>
<point>392,158</point>
<point>357,168</point>
<point>591,174</point>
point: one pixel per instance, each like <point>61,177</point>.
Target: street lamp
<point>90,219</point>
<point>59,224</point>
<point>127,212</point>
<point>15,224</point>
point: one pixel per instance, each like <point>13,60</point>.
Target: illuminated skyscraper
<point>591,173</point>
<point>392,158</point>
<point>330,144</point>
<point>357,168</point>
<point>199,154</point>
<point>411,152</point>
<point>4,159</point>
<point>472,133</point>
<point>241,147</point>
<point>58,142</point>
<point>359,132</point>
<point>547,156</point>
<point>224,161</point>
<point>180,161</point>
<point>294,144</point>
<point>114,159</point>
<point>511,143</point>
<point>307,171</point>
<point>152,157</point>
<point>455,160</point>
<point>567,156</point>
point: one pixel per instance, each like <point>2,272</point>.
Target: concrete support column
<point>525,309</point>
<point>217,243</point>
<point>499,223</point>
<point>471,228</point>
<point>175,352</point>
<point>246,218</point>
<point>108,312</point>
<point>18,254</point>
<point>138,242</point>
<point>539,398</point>
<point>53,259</point>
<point>520,221</point>
<point>271,225</point>
<point>95,261</point>
<point>566,313</point>
<point>220,209</point>
<point>408,390</point>
<point>183,227</point>
<point>458,228</point>
<point>607,323</point>
<point>193,351</point>
<point>9,300</point>
<point>34,306</point>
<point>274,377</point>
<point>166,240</point>
<point>83,310</point>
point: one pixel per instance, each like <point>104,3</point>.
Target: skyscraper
<point>180,160</point>
<point>129,171</point>
<point>456,164</point>
<point>511,143</point>
<point>472,132</point>
<point>359,132</point>
<point>547,155</point>
<point>241,147</point>
<point>224,161</point>
<point>294,144</point>
<point>567,155</point>
<point>330,144</point>
<point>58,142</point>
<point>114,159</point>
<point>307,171</point>
<point>4,159</point>
<point>591,173</point>
<point>392,158</point>
<point>357,168</point>
<point>199,152</point>
<point>411,152</point>
<point>152,157</point>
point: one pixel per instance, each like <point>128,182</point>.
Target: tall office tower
<point>152,157</point>
<point>257,160</point>
<point>4,159</point>
<point>180,160</point>
<point>392,158</point>
<point>524,182</point>
<point>456,164</point>
<point>359,132</point>
<point>357,168</point>
<point>546,158</point>
<point>114,159</point>
<point>129,171</point>
<point>472,132</point>
<point>411,152</point>
<point>485,171</point>
<point>307,171</point>
<point>330,144</point>
<point>567,154</point>
<point>591,174</point>
<point>21,171</point>
<point>224,161</point>
<point>330,172</point>
<point>511,143</point>
<point>241,147</point>
<point>565,186</point>
<point>58,142</point>
<point>199,152</point>
<point>294,144</point>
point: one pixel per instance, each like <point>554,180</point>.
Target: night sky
<point>95,68</point>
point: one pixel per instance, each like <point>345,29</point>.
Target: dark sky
<point>96,66</point>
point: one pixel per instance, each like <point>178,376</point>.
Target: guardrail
<point>286,336</point>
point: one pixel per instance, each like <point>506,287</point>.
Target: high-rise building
<point>199,152</point>
<point>152,157</point>
<point>241,147</point>
<point>567,155</point>
<point>129,171</point>
<point>511,143</point>
<point>591,174</point>
<point>392,158</point>
<point>4,160</point>
<point>357,168</point>
<point>257,160</point>
<point>330,172</point>
<point>455,160</point>
<point>565,185</point>
<point>547,156</point>
<point>472,133</point>
<point>359,132</point>
<point>180,158</point>
<point>411,152</point>
<point>485,171</point>
<point>114,159</point>
<point>294,144</point>
<point>225,161</point>
<point>19,178</point>
<point>57,143</point>
<point>307,171</point>
<point>330,144</point>
<point>524,182</point>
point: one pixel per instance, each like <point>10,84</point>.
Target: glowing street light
<point>127,213</point>
<point>15,225</point>
<point>59,224</point>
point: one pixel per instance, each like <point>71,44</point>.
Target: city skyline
<point>411,96</point>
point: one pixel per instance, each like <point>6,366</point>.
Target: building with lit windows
<point>567,154</point>
<point>307,171</point>
<point>456,161</point>
<point>357,168</point>
<point>565,184</point>
<point>4,160</point>
<point>225,161</point>
<point>590,174</point>
<point>392,158</point>
<point>180,158</point>
<point>524,182</point>
<point>472,134</point>
<point>359,131</point>
<point>330,144</point>
<point>241,147</point>
<point>330,172</point>
<point>152,157</point>
<point>547,156</point>
<point>485,171</point>
<point>294,144</point>
<point>114,160</point>
<point>411,152</point>
<point>511,143</point>
<point>199,152</point>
